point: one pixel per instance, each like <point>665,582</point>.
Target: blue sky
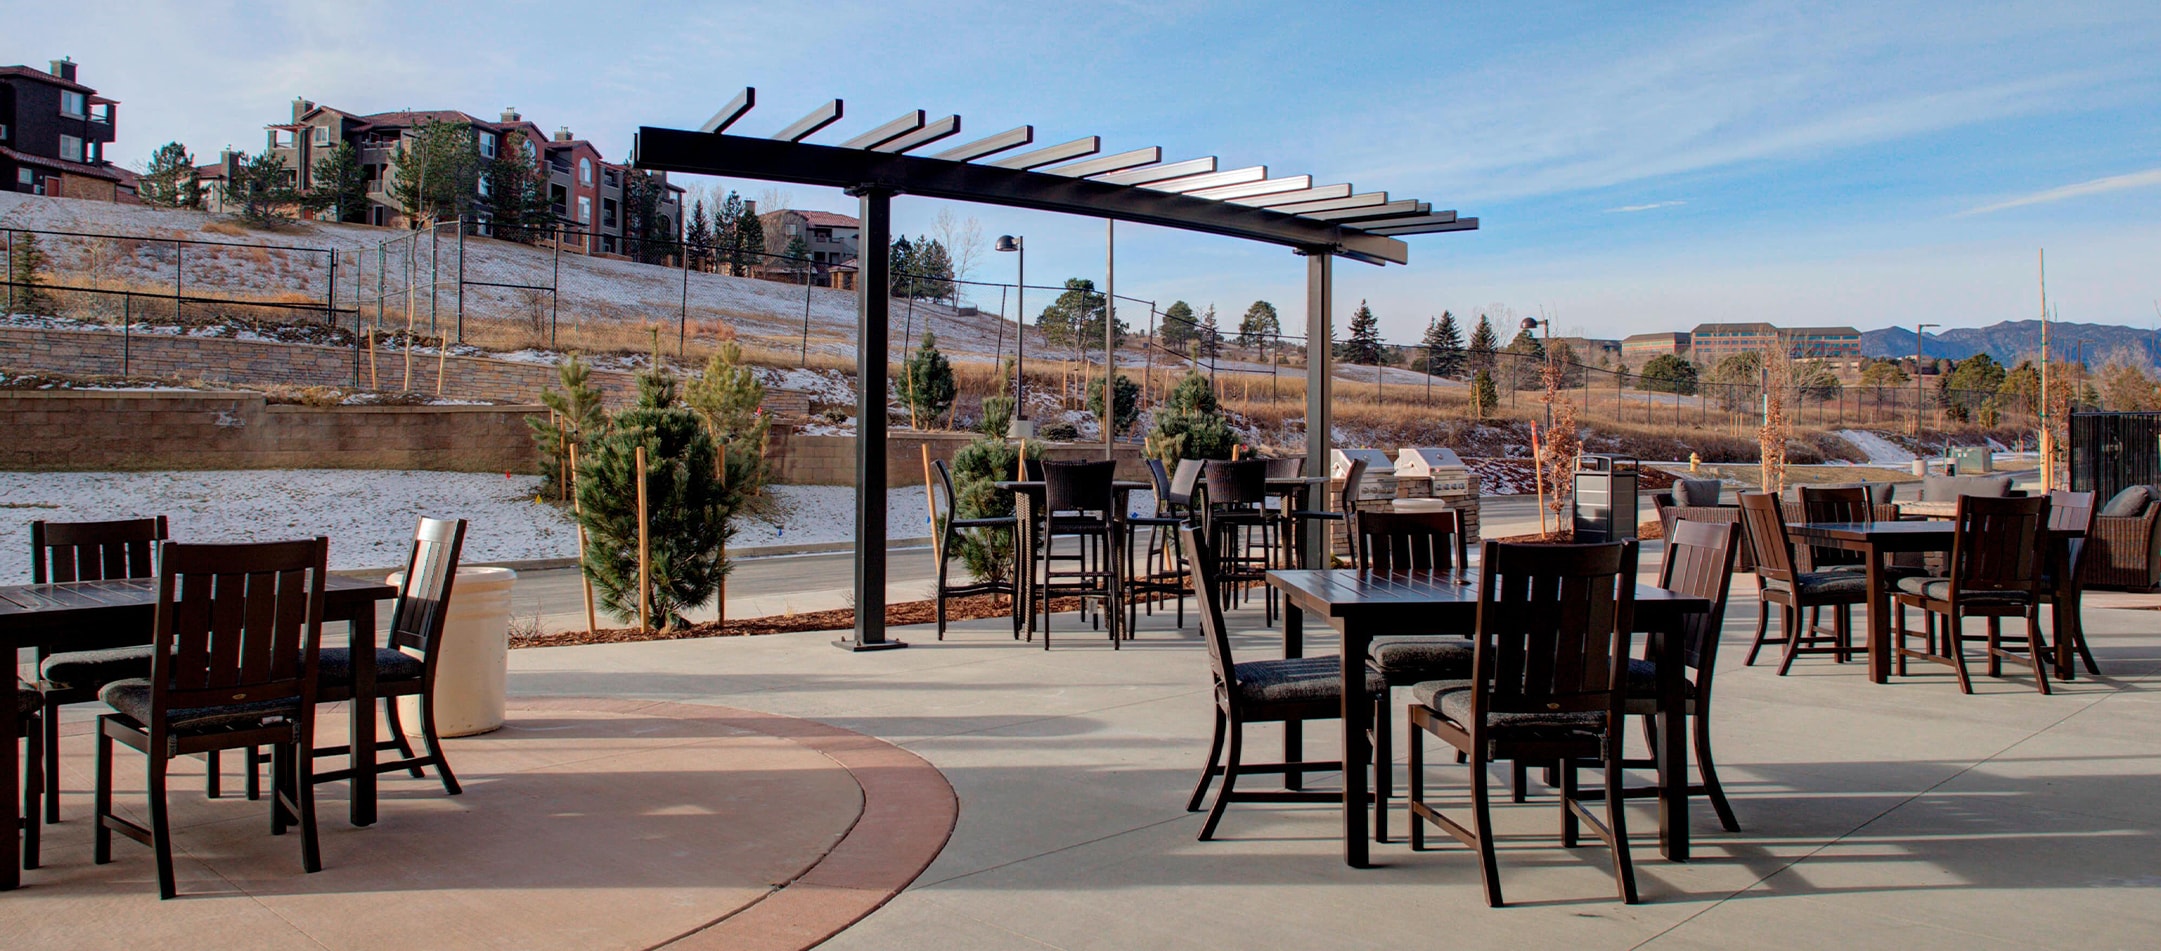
<point>1635,167</point>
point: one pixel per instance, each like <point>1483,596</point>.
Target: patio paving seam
<point>1106,837</point>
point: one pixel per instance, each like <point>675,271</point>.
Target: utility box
<point>1605,498</point>
<point>1973,460</point>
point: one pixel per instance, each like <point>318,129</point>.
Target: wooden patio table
<point>1360,604</point>
<point>1874,540</point>
<point>70,616</point>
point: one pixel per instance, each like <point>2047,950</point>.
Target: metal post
<point>873,335</point>
<point>127,319</point>
<point>179,281</point>
<point>804,360</point>
<point>11,271</point>
<point>381,265</point>
<point>1110,336</point>
<point>997,355</point>
<point>1020,331</point>
<point>1320,289</point>
<point>330,294</point>
<point>682,321</point>
<point>435,268</point>
<point>555,287</point>
<point>360,260</point>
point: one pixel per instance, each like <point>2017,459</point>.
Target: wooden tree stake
<point>584,580</point>
<point>930,501</point>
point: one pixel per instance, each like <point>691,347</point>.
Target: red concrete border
<point>908,814</point>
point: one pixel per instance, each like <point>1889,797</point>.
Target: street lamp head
<point>1008,242</point>
<point>1530,323</point>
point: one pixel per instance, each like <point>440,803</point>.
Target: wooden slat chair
<point>238,638</point>
<point>1263,691</point>
<point>1411,541</point>
<point>1994,575</point>
<point>950,527</point>
<point>2065,580</point>
<point>1550,686</point>
<point>1779,582</point>
<point>62,552</point>
<point>30,718</point>
<point>1241,530</point>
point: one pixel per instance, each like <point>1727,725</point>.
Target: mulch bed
<point>838,619</point>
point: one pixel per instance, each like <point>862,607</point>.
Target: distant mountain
<point>2015,340</point>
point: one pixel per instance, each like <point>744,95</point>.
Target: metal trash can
<point>1605,498</point>
<point>474,659</point>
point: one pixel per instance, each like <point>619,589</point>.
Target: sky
<point>1634,167</point>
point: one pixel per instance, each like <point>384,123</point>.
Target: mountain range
<point>2014,340</point>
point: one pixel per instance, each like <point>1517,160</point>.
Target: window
<point>608,176</point>
<point>526,146</point>
<point>73,104</point>
<point>322,135</point>
<point>607,212</point>
<point>71,148</point>
<point>487,144</point>
<point>585,209</point>
<point>482,187</point>
<point>585,171</point>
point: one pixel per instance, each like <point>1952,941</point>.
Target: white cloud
<point>1626,209</point>
<point>2147,178</point>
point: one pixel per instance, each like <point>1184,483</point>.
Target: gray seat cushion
<point>1837,583</point>
<point>1297,680</point>
<point>27,699</point>
<point>90,670</point>
<point>1643,679</point>
<point>1406,659</point>
<point>2129,503</point>
<point>1949,488</point>
<point>1697,492</point>
<point>336,666</point>
<point>132,697</point>
<point>1938,588</point>
<point>1452,699</point>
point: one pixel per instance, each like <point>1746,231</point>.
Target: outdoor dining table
<point>1360,604</point>
<point>1028,500</point>
<point>70,616</point>
<point>1874,540</point>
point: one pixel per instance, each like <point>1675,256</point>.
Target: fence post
<point>179,282</point>
<point>382,258</point>
<point>682,321</point>
<point>330,294</point>
<point>555,284</point>
<point>11,271</point>
<point>805,358</point>
<point>127,318</point>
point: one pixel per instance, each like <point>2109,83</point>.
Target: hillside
<point>2014,340</point>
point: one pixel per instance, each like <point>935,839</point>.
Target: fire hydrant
<point>1695,463</point>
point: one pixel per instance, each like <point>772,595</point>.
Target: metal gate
<point>2110,451</point>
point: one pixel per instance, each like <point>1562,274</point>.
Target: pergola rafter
<point>1322,222</point>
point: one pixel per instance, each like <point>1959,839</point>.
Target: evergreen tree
<point>1075,319</point>
<point>1444,347</point>
<point>170,181</point>
<point>1178,329</point>
<point>1128,403</point>
<point>262,189</point>
<point>977,469</point>
<point>648,237</point>
<point>339,184</point>
<point>927,383</point>
<point>699,236</point>
<point>798,256</point>
<point>728,399</point>
<point>749,249</point>
<point>1526,362</point>
<point>25,263</point>
<point>577,408</point>
<point>1260,327</point>
<point>1211,336</point>
<point>1364,346</point>
<point>933,279</point>
<point>1484,396</point>
<point>900,265</point>
<point>510,177</point>
<point>437,172</point>
<point>1667,373</point>
<point>688,509</point>
<point>1478,355</point>
<point>1190,424</point>
<point>728,218</point>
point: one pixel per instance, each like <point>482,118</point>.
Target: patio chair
<point>1158,568</point>
<point>61,552</point>
<point>29,716</point>
<point>1263,691</point>
<point>1307,520</point>
<point>1081,503</point>
<point>2064,581</point>
<point>238,633</point>
<point>1411,541</point>
<point>1549,686</point>
<point>2124,550</point>
<point>1994,575</point>
<point>1779,582</point>
<point>1241,530</point>
<point>950,528</point>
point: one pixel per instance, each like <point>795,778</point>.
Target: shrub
<point>577,409</point>
<point>927,383</point>
<point>1190,424</point>
<point>977,468</point>
<point>1128,403</point>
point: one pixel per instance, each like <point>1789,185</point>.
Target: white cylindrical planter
<point>474,656</point>
<point>1417,506</point>
<point>1920,467</point>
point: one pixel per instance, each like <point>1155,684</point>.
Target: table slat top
<point>1340,592</point>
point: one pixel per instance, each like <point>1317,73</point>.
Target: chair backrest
<point>1160,479</point>
<point>1553,623</point>
<point>941,487</point>
<point>2070,511</point>
<point>416,618</point>
<point>1286,467</point>
<point>1765,528</point>
<point>1835,504</point>
<point>1240,482</point>
<point>1184,479</point>
<point>1201,561</point>
<point>1411,541</point>
<point>1993,548</point>
<point>237,624</point>
<point>1699,564</point>
<point>1078,486</point>
<point>1353,478</point>
<point>94,551</point>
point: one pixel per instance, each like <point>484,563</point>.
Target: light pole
<point>1019,244</point>
<point>1532,323</point>
<point>1919,331</point>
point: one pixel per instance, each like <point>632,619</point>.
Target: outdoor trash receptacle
<point>1605,499</point>
<point>475,655</point>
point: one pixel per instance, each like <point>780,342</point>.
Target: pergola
<point>1320,222</point>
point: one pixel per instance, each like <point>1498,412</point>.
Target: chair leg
<point>434,742</point>
<point>1230,779</point>
<point>281,785</point>
<point>1570,834</point>
<point>1520,772</point>
<point>2078,631</point>
<point>1763,629</point>
<point>311,856</point>
<point>51,728</point>
<point>33,786</point>
<point>101,849</point>
<point>2035,651</point>
<point>1842,625</point>
<point>213,775</point>
<point>1208,772</point>
<point>1624,868</point>
<point>1705,767</point>
<point>1995,645</point>
<point>255,768</point>
<point>161,833</point>
<point>1489,868</point>
<point>393,719</point>
<point>1788,620</point>
<point>1953,628</point>
<point>1414,794</point>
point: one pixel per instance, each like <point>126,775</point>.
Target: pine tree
<point>1479,354</point>
<point>1260,327</point>
<point>577,409</point>
<point>1190,424</point>
<point>25,263</point>
<point>699,236</point>
<point>900,265</point>
<point>1484,396</point>
<point>798,256</point>
<point>1526,363</point>
<point>927,383</point>
<point>1128,402</point>
<point>1211,336</point>
<point>262,189</point>
<point>1075,319</point>
<point>689,515</point>
<point>1444,347</point>
<point>1364,347</point>
<point>339,184</point>
<point>1178,329</point>
<point>728,398</point>
<point>749,249</point>
<point>728,234</point>
<point>933,270</point>
<point>170,180</point>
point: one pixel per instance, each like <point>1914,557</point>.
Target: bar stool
<point>1080,503</point>
<point>1240,529</point>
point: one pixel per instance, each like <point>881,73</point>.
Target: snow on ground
<point>1503,476</point>
<point>1880,451</point>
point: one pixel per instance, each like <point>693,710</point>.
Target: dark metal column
<point>873,333</point>
<point>1320,289</point>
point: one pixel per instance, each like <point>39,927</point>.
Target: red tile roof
<point>61,165</point>
<point>819,219</point>
<point>49,79</point>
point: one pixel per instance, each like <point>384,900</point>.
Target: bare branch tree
<point>963,241</point>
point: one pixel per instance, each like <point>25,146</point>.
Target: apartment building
<point>586,190</point>
<point>53,134</point>
<point>1838,344</point>
<point>1637,348</point>
<point>833,239</point>
<point>1711,343</point>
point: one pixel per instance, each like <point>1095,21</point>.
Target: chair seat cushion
<point>91,670</point>
<point>336,666</point>
<point>1406,659</point>
<point>1827,584</point>
<point>1939,589</point>
<point>27,698</point>
<point>132,697</point>
<point>1643,680</point>
<point>1297,680</point>
<point>1452,699</point>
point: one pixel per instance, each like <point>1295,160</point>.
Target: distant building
<point>833,240</point>
<point>1710,343</point>
<point>1592,351</point>
<point>53,133</point>
<point>1637,348</point>
<point>1842,344</point>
